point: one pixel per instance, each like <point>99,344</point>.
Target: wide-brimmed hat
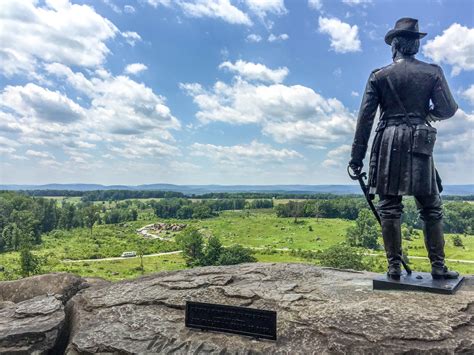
<point>407,27</point>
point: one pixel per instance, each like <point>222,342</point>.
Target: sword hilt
<point>356,176</point>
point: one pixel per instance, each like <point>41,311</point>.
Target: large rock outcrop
<point>60,283</point>
<point>319,311</point>
<point>32,317</point>
<point>34,326</point>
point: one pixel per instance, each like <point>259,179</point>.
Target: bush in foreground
<point>342,256</point>
<point>191,243</point>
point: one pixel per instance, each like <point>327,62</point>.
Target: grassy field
<point>271,238</point>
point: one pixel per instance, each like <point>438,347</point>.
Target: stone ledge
<point>319,311</point>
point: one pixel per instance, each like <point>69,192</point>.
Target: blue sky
<point>210,91</point>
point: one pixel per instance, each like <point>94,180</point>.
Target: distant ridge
<point>460,190</point>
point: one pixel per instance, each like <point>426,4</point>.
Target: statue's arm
<point>365,120</point>
<point>444,105</point>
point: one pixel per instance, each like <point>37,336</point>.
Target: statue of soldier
<point>403,91</point>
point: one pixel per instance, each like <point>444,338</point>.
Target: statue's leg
<point>431,213</point>
<point>390,209</point>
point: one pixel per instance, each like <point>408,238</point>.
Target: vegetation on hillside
<point>40,235</point>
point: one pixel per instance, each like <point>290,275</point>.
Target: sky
<point>211,91</point>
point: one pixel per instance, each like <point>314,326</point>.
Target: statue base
<point>418,281</point>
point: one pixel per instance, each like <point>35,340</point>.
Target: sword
<point>361,176</point>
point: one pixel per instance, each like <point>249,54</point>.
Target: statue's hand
<point>356,166</point>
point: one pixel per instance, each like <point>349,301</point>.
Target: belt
<point>395,121</point>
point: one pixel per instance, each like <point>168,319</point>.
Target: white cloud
<point>131,37</point>
<point>58,31</point>
<point>135,68</point>
<point>344,37</point>
<point>7,142</point>
<point>155,3</point>
<point>454,47</point>
<point>254,38</point>
<point>256,71</point>
<point>120,103</point>
<point>337,157</point>
<point>253,152</point>
<point>122,118</point>
<point>354,93</point>
<point>286,113</point>
<point>277,38</point>
<point>315,4</point>
<point>455,146</point>
<point>469,94</point>
<point>356,2</point>
<point>132,147</point>
<point>114,7</point>
<point>262,7</point>
<point>34,101</point>
<point>129,9</point>
<point>221,9</point>
<point>37,154</point>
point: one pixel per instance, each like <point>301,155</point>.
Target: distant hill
<point>459,190</point>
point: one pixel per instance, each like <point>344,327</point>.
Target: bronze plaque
<point>231,319</point>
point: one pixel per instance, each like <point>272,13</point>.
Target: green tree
<point>141,252</point>
<point>342,256</point>
<point>11,236</point>
<point>2,243</point>
<point>29,263</point>
<point>191,243</point>
<point>406,232</point>
<point>365,232</point>
<point>185,212</point>
<point>202,211</point>
<point>212,252</point>
<point>236,254</point>
<point>28,225</point>
<point>91,215</point>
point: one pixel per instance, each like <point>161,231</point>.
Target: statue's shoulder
<point>379,71</point>
<point>426,64</point>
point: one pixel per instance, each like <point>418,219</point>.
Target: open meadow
<point>272,238</point>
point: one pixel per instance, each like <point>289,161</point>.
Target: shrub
<point>342,256</point>
<point>236,254</point>
<point>191,243</point>
<point>29,263</point>
<point>365,232</point>
<point>457,241</point>
<point>212,252</point>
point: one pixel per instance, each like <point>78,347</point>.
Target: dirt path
<point>254,248</point>
<point>120,257</point>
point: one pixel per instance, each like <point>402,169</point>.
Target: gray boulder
<point>63,284</point>
<point>34,326</point>
<point>320,311</point>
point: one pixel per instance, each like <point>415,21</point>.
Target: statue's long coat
<point>394,170</point>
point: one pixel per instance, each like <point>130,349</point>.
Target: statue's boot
<point>392,240</point>
<point>434,242</point>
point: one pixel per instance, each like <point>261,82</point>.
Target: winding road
<point>120,257</point>
<point>254,248</point>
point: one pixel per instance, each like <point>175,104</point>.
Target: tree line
<point>182,208</point>
<point>23,219</point>
<point>347,208</point>
<point>458,215</point>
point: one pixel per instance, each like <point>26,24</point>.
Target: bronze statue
<point>401,161</point>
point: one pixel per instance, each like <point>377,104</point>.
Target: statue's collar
<point>399,57</point>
